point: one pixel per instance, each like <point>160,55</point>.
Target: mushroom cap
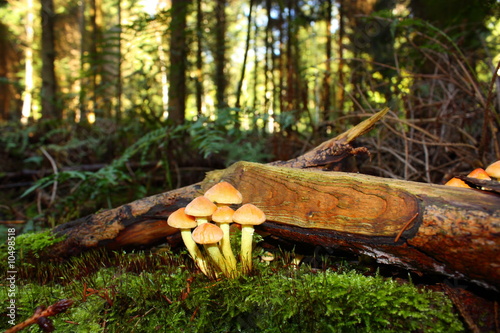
<point>493,170</point>
<point>200,206</point>
<point>223,214</point>
<point>207,233</point>
<point>179,219</point>
<point>479,173</point>
<point>249,214</point>
<point>457,183</point>
<point>224,193</point>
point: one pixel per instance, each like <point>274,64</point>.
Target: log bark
<point>428,228</point>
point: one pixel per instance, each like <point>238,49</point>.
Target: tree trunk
<point>178,62</point>
<point>220,54</point>
<point>28,72</point>
<point>199,58</point>
<point>429,228</point>
<point>326,97</point>
<point>50,107</point>
<point>245,56</point>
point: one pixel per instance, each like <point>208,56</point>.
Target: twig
<point>404,227</point>
<point>41,315</point>
<point>54,167</point>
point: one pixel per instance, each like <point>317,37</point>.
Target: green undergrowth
<point>144,292</point>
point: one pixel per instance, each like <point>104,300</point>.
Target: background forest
<point>106,101</point>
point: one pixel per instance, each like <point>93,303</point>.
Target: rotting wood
<point>424,227</point>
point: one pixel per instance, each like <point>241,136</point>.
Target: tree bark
<point>425,227</point>
<point>50,107</point>
<point>178,62</point>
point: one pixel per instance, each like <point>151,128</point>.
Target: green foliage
<point>224,136</point>
<point>150,292</point>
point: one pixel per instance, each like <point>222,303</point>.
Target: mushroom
<point>479,173</point>
<point>248,215</point>
<point>493,170</point>
<point>224,194</point>
<point>209,235</point>
<point>456,183</point>
<point>201,208</point>
<point>179,219</point>
<point>223,217</point>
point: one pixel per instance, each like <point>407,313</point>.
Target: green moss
<point>146,292</point>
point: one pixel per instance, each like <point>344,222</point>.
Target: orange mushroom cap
<point>479,173</point>
<point>249,214</point>
<point>493,170</point>
<point>457,183</point>
<point>207,233</point>
<point>223,214</point>
<point>179,219</point>
<point>200,206</point>
<point>224,193</point>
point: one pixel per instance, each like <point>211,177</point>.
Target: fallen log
<point>422,227</point>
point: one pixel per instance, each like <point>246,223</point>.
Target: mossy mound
<point>149,292</point>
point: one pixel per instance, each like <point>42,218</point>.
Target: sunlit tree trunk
<point>245,55</point>
<point>50,107</point>
<point>8,62</point>
<point>220,54</point>
<point>28,73</point>
<point>178,62</point>
<point>326,91</point>
<point>268,60</point>
<point>96,61</point>
<point>340,72</point>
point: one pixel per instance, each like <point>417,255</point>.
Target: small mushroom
<point>479,173</point>
<point>493,170</point>
<point>223,217</point>
<point>247,216</point>
<point>224,194</point>
<point>179,219</point>
<point>201,208</point>
<point>209,235</point>
<point>455,182</point>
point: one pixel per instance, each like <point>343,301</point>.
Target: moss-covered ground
<point>162,291</point>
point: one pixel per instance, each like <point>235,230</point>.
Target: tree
<point>178,62</point>
<point>220,54</point>
<point>50,105</point>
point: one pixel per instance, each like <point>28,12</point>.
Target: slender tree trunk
<point>119,87</point>
<point>245,55</point>
<point>281,60</point>
<point>50,107</point>
<point>28,75</point>
<point>199,58</point>
<point>220,54</point>
<point>178,62</point>
<point>326,92</point>
<point>340,90</point>
<point>268,64</point>
<point>96,55</point>
<point>82,96</point>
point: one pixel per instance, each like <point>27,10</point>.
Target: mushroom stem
<point>201,219</point>
<point>225,245</point>
<point>216,255</point>
<point>246,247</point>
<point>194,251</point>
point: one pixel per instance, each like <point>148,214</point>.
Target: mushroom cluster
<point>493,170</point>
<point>196,227</point>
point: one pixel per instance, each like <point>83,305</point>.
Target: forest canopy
<point>108,101</point>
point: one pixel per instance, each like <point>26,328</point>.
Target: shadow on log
<point>423,227</point>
